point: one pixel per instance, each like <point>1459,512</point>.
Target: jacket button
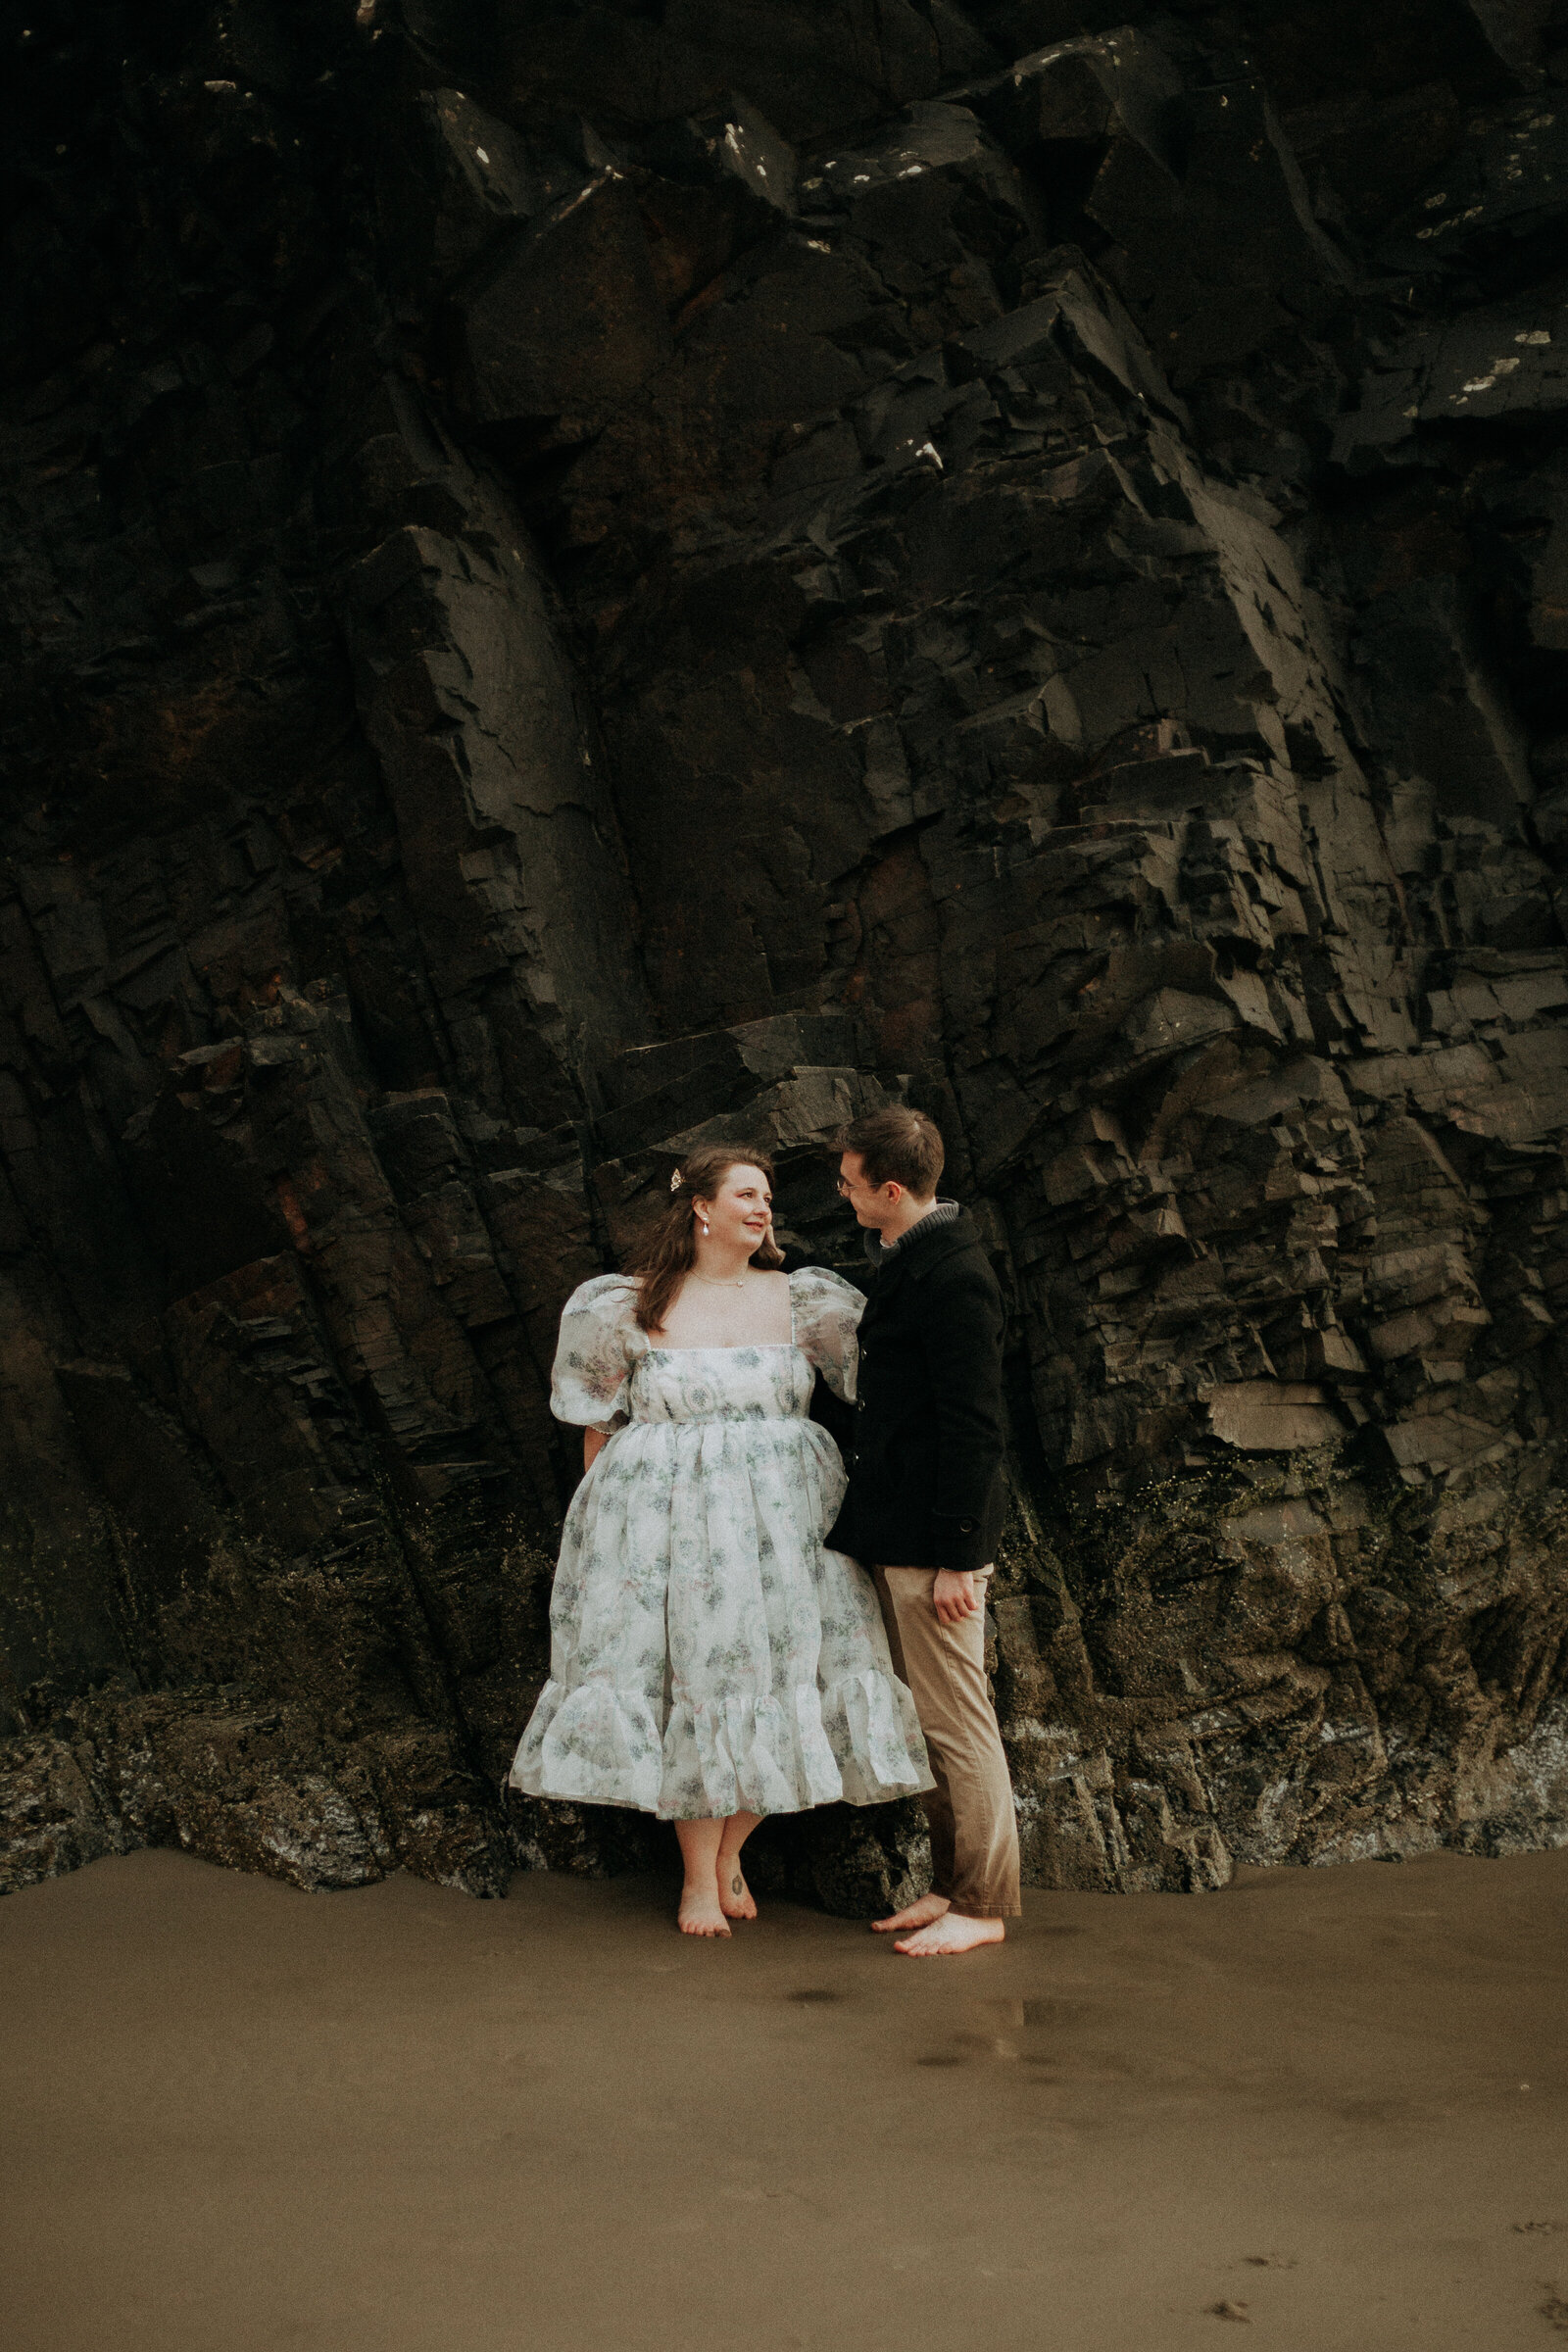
<point>966,1527</point>
<point>860,1404</point>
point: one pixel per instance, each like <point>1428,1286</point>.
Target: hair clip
<point>676,1181</point>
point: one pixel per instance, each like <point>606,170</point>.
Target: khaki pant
<point>974,1832</point>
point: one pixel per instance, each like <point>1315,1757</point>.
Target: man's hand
<point>953,1595</point>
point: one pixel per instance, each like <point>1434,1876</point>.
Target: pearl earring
<point>703,1222</point>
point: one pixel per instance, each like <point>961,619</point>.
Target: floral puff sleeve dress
<point>707,1654</point>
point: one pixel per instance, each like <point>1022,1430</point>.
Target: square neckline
<point>726,1347</point>
<point>734,1346</point>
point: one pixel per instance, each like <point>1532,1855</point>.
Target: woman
<point>710,1661</point>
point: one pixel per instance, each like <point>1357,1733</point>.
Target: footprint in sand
<point>1229,2311</point>
<point>1555,2311</point>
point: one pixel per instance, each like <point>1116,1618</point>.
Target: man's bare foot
<point>951,1935</point>
<point>700,1913</point>
<point>735,1898</point>
<point>913,1915</point>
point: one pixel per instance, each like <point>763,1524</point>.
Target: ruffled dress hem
<point>599,1745</point>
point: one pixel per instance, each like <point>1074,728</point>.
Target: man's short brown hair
<point>896,1145</point>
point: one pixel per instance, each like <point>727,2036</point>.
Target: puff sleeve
<point>827,1313</point>
<point>595,1356</point>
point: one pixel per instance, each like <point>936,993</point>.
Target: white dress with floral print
<point>708,1654</point>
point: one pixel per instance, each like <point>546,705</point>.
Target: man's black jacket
<point>925,1475</point>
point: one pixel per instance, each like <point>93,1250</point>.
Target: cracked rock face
<point>588,578</point>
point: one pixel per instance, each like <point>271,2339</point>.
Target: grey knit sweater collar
<point>879,1251</point>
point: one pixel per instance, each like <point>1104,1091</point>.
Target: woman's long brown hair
<point>664,1257</point>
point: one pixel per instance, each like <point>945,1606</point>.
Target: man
<point>924,1510</point>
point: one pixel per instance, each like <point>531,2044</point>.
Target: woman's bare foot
<point>950,1934</point>
<point>735,1898</point>
<point>700,1913</point>
<point>913,1915</point>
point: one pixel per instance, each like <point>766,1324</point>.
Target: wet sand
<point>399,2121</point>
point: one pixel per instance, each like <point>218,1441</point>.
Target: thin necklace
<point>719,1282</point>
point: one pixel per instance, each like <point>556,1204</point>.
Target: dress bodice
<point>721,1384</point>
<point>607,1371</point>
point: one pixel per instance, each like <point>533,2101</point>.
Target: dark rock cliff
<point>584,576</point>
